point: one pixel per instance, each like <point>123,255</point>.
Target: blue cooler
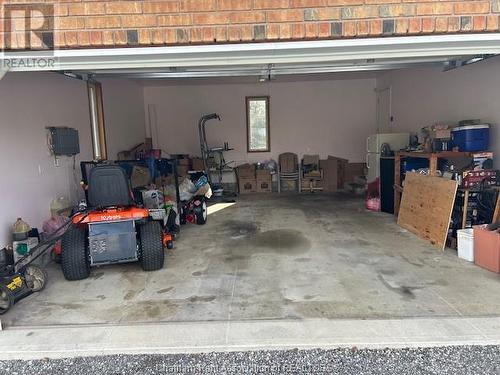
<point>471,137</point>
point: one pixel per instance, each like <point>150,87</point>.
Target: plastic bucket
<point>465,240</point>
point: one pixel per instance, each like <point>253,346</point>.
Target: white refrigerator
<point>396,142</point>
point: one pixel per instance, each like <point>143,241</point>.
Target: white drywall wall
<point>427,96</point>
<point>30,180</point>
<point>29,103</point>
<point>328,117</point>
<point>123,115</point>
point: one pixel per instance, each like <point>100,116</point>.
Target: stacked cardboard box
<point>330,175</point>
<point>246,178</point>
<point>354,170</point>
<point>341,170</point>
<point>183,167</point>
<point>140,177</point>
<point>264,181</point>
<point>134,152</point>
<point>197,164</point>
<point>334,172</point>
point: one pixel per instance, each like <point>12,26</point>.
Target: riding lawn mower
<point>114,230</point>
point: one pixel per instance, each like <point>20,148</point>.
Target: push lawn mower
<point>114,231</point>
<point>19,280</point>
<point>16,285</point>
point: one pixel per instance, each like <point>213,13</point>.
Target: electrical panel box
<point>64,141</point>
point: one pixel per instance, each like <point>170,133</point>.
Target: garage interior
<point>260,256</point>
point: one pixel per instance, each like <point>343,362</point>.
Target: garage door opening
<point>313,250</point>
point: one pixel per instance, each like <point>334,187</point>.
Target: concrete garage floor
<point>276,257</point>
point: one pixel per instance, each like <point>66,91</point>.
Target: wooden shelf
<point>433,165</point>
<point>439,155</point>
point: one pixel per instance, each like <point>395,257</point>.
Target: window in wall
<point>98,130</point>
<point>258,124</point>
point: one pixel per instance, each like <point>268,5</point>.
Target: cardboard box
<point>247,185</point>
<point>341,170</point>
<point>262,173</point>
<point>140,177</point>
<point>197,164</point>
<point>330,170</point>
<point>132,154</point>
<point>246,171</point>
<point>165,180</point>
<point>288,162</point>
<point>440,134</point>
<point>264,185</point>
<point>182,170</point>
<point>354,170</point>
<point>264,181</point>
<point>184,162</point>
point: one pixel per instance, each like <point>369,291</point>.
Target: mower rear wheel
<point>6,299</point>
<point>75,262</point>
<point>35,277</point>
<point>152,254</point>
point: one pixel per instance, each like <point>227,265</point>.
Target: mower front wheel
<point>152,254</point>
<point>75,262</point>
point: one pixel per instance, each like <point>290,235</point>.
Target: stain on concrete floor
<point>276,257</point>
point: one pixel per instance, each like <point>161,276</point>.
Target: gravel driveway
<point>474,360</point>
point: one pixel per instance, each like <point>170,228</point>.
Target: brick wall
<point>85,24</point>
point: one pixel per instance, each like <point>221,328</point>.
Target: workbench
<point>433,158</point>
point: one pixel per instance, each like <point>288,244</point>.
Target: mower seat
<point>108,186</point>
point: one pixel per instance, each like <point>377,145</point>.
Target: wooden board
<point>426,207</point>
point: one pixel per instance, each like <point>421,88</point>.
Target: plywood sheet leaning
<point>426,207</point>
